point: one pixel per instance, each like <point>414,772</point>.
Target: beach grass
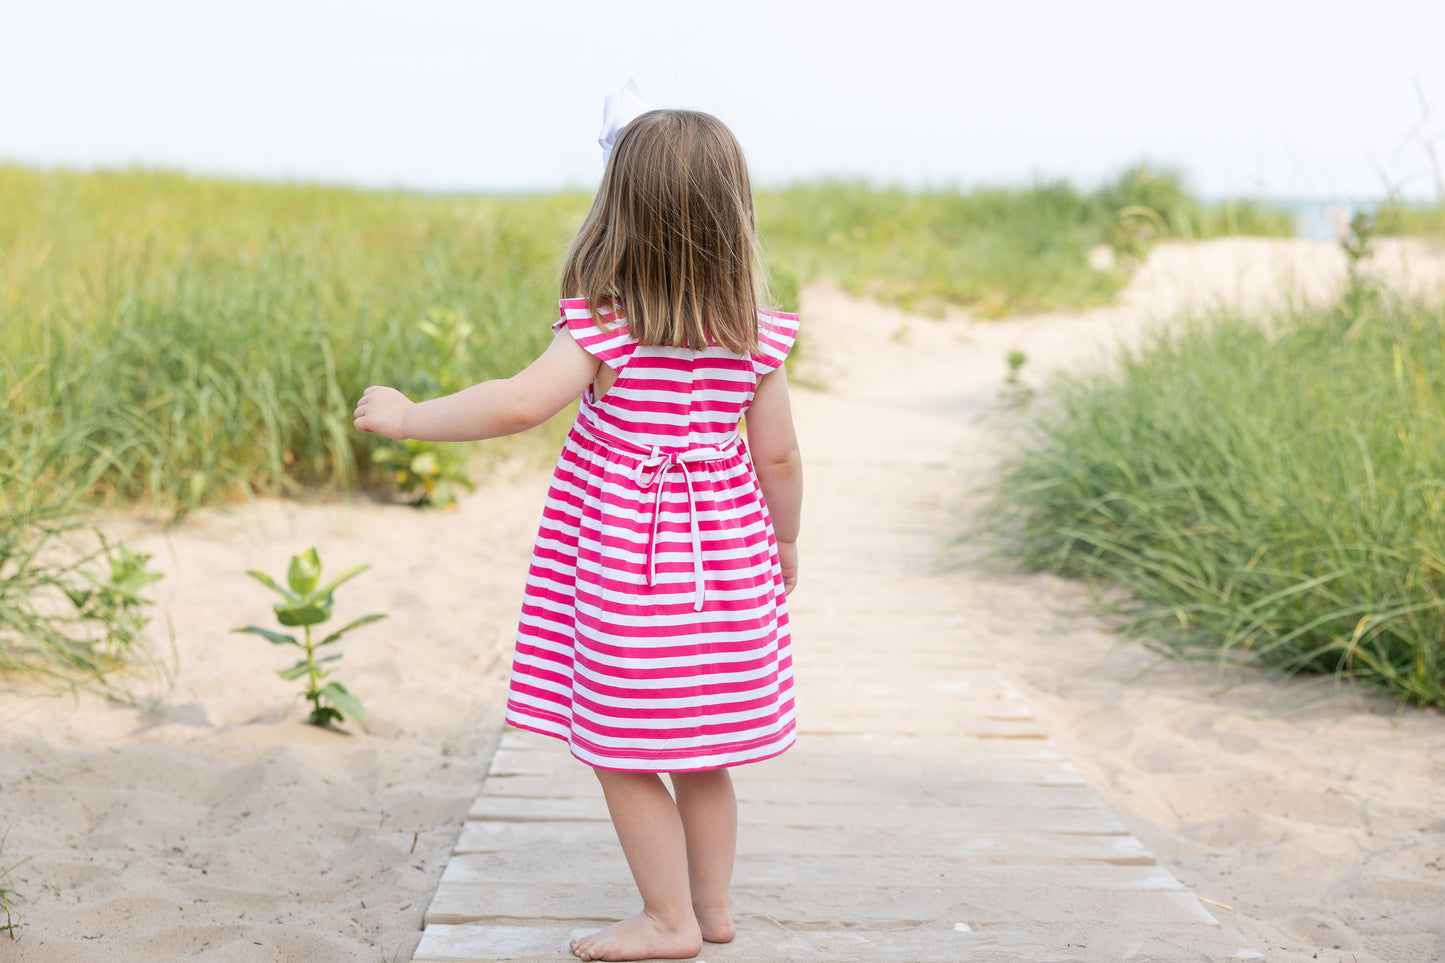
<point>204,339</point>
<point>995,251</point>
<point>1270,492</point>
<point>1421,220</point>
<point>208,337</point>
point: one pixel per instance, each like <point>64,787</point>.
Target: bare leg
<point>709,810</point>
<point>650,830</point>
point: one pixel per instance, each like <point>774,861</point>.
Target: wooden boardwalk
<point>924,814</point>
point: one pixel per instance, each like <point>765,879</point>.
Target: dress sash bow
<point>652,472</point>
<point>653,467</point>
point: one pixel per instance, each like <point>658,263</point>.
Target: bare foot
<point>640,938</point>
<point>716,924</point>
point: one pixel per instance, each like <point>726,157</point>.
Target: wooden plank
<point>560,900</point>
<point>865,815</point>
<point>773,869</point>
<point>993,846</point>
<point>760,940</point>
<point>837,904</point>
<point>811,786</point>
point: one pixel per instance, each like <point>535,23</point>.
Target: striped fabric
<point>654,632</point>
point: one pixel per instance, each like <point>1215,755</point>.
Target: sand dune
<point>211,823</point>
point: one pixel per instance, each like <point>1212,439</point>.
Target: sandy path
<point>212,825</point>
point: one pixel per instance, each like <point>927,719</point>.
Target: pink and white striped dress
<point>654,631</point>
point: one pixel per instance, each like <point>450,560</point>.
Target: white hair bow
<point>619,110</point>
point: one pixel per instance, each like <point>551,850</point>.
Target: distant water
<point>1318,220</point>
<point>1315,219</point>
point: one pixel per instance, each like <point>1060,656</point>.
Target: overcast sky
<point>1276,98</point>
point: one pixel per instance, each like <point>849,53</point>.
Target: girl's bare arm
<point>773,444</point>
<point>486,410</point>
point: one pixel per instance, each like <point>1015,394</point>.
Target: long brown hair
<point>670,239</point>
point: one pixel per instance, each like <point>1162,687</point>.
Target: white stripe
<point>754,633</point>
<point>768,676</point>
<point>582,715</point>
<point>590,574</point>
<point>647,396</point>
<point>703,740</point>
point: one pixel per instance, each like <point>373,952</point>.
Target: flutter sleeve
<point>776,336</point>
<point>612,345</point>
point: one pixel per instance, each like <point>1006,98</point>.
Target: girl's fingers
<point>358,415</point>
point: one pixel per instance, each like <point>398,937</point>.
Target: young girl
<point>654,630</point>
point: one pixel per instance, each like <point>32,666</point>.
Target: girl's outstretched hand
<point>383,411</point>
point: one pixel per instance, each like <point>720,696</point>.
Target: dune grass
<point>1422,220</point>
<point>995,251</point>
<point>1263,492</point>
<point>208,337</point>
<point>205,338</point>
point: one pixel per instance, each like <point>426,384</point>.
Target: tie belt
<point>651,472</point>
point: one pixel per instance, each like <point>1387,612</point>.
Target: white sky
<point>1279,98</point>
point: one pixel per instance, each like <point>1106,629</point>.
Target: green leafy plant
<point>303,605</point>
<point>115,603</point>
<point>8,897</point>
<point>1016,361</point>
<point>60,621</point>
<point>425,471</point>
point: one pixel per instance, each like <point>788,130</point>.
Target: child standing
<point>654,630</point>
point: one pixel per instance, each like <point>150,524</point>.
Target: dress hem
<point>790,735</point>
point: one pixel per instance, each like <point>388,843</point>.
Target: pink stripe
<point>720,730</point>
<point>695,687</point>
<point>765,707</point>
<point>663,362</point>
<point>638,679</point>
<point>666,386</point>
<point>719,429</point>
<point>681,629</point>
<point>703,406</point>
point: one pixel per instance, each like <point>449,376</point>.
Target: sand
<point>211,823</point>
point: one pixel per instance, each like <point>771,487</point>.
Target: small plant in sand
<point>115,603</point>
<point>303,605</point>
<point>8,897</point>
<point>1016,392</point>
<point>60,620</point>
<point>1357,244</point>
